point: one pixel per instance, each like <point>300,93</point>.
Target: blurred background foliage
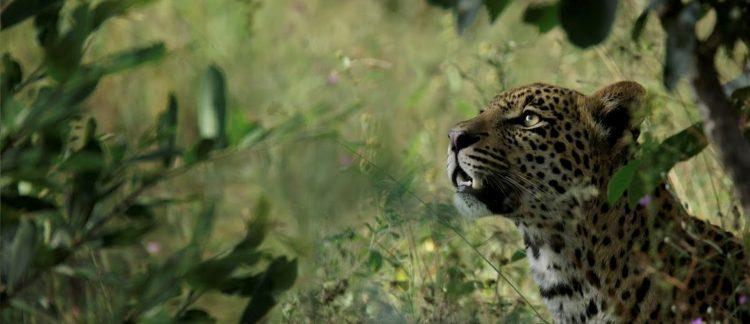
<point>331,149</point>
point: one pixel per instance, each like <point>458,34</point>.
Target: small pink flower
<point>333,78</point>
<point>345,160</point>
<point>742,299</point>
<point>645,200</point>
<point>153,247</point>
<point>697,320</point>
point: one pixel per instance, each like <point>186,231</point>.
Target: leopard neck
<point>576,255</point>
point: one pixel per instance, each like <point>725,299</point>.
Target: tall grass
<point>374,85</point>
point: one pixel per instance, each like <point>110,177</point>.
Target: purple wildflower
<point>153,247</point>
<point>645,200</point>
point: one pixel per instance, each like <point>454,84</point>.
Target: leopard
<point>541,156</point>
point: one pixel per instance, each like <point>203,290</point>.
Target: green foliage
<point>587,22</point>
<point>495,8</point>
<point>642,174</point>
<point>543,16</point>
<point>212,108</point>
<point>466,11</point>
<point>309,106</point>
<point>71,195</point>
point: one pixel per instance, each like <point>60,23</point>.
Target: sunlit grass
<point>384,80</point>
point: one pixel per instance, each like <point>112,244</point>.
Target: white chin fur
<point>469,206</point>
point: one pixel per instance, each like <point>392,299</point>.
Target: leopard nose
<point>461,139</point>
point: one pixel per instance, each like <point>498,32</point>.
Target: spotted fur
<point>541,156</point>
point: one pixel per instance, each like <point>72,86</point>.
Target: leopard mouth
<point>495,198</point>
<point>462,181</point>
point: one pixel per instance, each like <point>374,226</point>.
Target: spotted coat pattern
<point>541,156</point>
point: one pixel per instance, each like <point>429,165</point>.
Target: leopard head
<point>531,145</point>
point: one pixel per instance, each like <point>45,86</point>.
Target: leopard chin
<point>475,203</point>
<point>469,206</point>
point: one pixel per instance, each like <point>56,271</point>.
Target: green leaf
<point>543,16</point>
<point>200,151</point>
<point>47,256</point>
<point>621,180</point>
<point>195,316</point>
<point>125,235</point>
<point>63,55</point>
<point>211,274</point>
<point>141,221</point>
<point>113,8</point>
<point>246,286</point>
<point>166,131</point>
<point>658,161</point>
<point>161,283</point>
<point>279,276</point>
<point>215,273</point>
<point>204,224</point>
<point>158,154</point>
<point>212,106</point>
<point>87,165</point>
<point>20,10</point>
<point>257,308</point>
<point>82,161</point>
<point>518,255</point>
<point>495,8</point>
<point>587,22</point>
<point>283,273</point>
<point>131,58</point>
<point>445,4</point>
<point>10,77</point>
<point>239,127</point>
<point>257,227</point>
<point>46,24</point>
<point>639,26</point>
<point>26,203</point>
<point>375,261</point>
<point>21,253</point>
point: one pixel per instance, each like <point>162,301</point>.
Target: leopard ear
<point>614,110</point>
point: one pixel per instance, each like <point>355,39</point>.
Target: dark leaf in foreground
<point>639,26</point>
<point>587,22</point>
<point>26,203</point>
<point>445,4</point>
<point>20,10</point>
<point>166,130</point>
<point>543,16</point>
<point>21,253</point>
<point>132,58</point>
<point>204,224</point>
<point>279,276</point>
<point>11,75</point>
<point>195,316</point>
<point>495,8</point>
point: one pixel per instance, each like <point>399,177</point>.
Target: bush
<point>71,195</point>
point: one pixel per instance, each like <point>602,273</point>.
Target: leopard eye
<point>530,119</point>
